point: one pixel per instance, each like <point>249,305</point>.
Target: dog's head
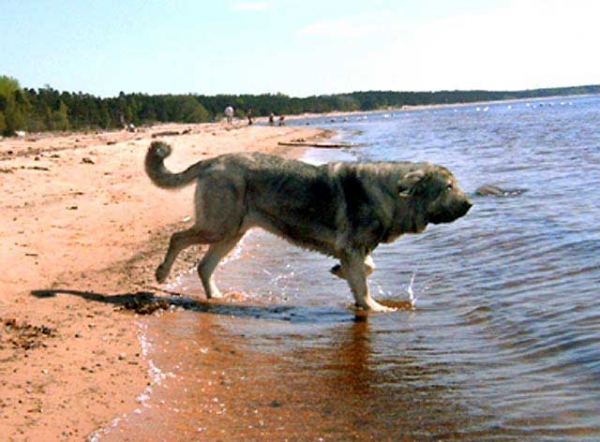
<point>435,192</point>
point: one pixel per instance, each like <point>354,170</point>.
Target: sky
<point>298,47</point>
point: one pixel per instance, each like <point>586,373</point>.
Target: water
<point>503,341</point>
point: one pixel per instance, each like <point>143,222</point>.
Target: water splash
<point>411,293</point>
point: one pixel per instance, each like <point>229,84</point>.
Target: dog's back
<point>296,200</point>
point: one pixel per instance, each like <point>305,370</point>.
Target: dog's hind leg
<point>219,209</point>
<point>355,272</point>
<point>209,263</point>
<point>179,241</point>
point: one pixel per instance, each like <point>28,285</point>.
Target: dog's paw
<point>161,274</point>
<point>374,306</point>
<point>380,308</point>
<point>214,294</point>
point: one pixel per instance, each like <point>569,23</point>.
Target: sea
<point>498,334</point>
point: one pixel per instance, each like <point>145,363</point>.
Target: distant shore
<point>341,114</point>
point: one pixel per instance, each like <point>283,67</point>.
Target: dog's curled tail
<point>160,175</point>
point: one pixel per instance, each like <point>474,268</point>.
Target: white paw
<point>373,306</point>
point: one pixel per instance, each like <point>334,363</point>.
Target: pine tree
<point>13,106</point>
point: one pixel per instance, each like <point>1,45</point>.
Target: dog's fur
<point>344,210</point>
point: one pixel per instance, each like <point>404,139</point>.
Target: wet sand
<point>82,230</point>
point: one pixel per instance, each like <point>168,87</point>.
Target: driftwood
<point>323,145</point>
<point>171,133</point>
<point>168,133</point>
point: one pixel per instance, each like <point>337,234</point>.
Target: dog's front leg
<point>355,272</point>
<point>369,268</point>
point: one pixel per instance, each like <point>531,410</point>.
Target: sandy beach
<point>82,230</point>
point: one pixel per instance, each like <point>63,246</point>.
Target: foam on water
<point>157,377</point>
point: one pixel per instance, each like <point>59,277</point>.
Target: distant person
<point>249,116</point>
<point>282,120</point>
<point>271,118</point>
<point>229,114</point>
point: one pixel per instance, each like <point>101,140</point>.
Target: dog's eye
<point>450,186</point>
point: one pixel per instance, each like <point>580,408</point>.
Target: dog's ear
<point>410,180</point>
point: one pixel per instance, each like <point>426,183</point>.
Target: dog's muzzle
<point>459,209</point>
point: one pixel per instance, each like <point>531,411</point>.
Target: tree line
<point>46,109</point>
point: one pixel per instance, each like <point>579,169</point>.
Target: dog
<point>344,210</point>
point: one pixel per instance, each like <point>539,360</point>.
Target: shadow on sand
<point>147,302</point>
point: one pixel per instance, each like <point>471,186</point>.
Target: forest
<point>46,109</point>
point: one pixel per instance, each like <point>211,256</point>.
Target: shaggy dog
<point>344,210</point>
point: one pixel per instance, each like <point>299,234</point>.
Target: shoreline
<point>83,229</point>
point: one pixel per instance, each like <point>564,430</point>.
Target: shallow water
<point>503,343</point>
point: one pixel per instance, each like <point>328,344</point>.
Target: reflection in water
<point>294,381</point>
<point>379,397</point>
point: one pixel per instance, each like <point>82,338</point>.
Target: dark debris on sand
<point>22,335</point>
